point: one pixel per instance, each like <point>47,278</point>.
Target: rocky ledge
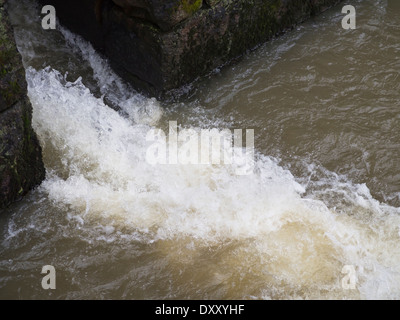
<point>163,44</point>
<point>21,166</point>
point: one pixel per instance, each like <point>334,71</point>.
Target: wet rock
<point>21,166</point>
<point>212,3</point>
<point>163,13</point>
<point>209,38</point>
<point>161,45</point>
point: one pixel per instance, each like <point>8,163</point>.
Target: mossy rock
<point>165,14</point>
<point>212,3</point>
<point>191,6</point>
<point>21,166</point>
<point>12,73</point>
<point>176,41</point>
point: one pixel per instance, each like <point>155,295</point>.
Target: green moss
<point>16,175</point>
<point>27,127</point>
<point>12,92</point>
<point>191,6</point>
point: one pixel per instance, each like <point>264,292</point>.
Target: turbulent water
<point>323,197</point>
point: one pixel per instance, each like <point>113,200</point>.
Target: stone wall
<point>164,44</point>
<point>21,166</point>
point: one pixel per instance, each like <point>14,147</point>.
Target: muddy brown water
<point>323,198</point>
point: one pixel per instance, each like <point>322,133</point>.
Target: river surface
<point>318,217</point>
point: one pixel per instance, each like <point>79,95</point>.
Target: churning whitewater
<point>103,174</point>
<point>274,235</point>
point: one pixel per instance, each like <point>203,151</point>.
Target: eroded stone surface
<point>21,166</point>
<point>163,13</point>
<point>161,45</point>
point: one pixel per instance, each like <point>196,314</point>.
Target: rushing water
<point>325,192</point>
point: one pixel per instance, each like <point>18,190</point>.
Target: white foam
<point>139,109</point>
<point>109,180</point>
<point>104,157</point>
<point>103,177</point>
